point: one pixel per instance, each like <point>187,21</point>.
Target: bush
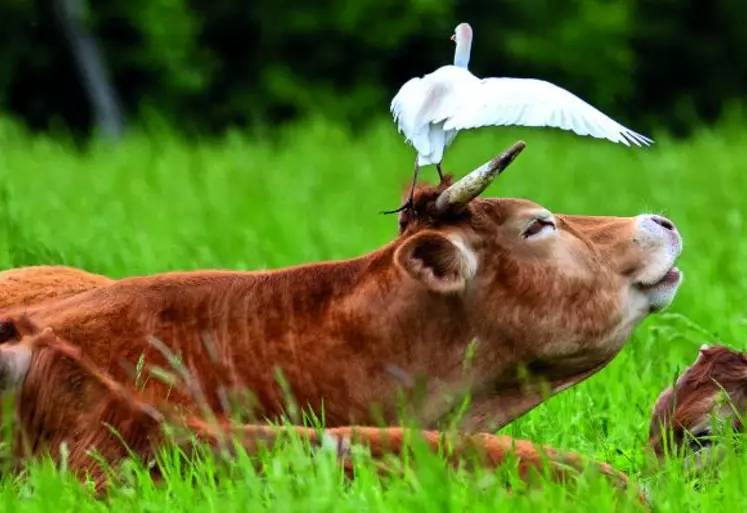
<point>211,65</point>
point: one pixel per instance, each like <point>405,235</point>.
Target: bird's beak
<point>453,37</point>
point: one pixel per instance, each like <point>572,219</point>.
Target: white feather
<point>419,109</point>
<point>429,111</point>
<point>533,102</point>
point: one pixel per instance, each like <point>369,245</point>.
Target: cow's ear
<point>441,263</point>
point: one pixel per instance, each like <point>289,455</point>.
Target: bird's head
<point>463,38</point>
<point>462,33</point>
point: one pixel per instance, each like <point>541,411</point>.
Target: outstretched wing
<point>533,102</point>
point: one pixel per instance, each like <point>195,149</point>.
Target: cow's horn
<point>469,187</point>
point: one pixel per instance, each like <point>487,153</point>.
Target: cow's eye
<point>8,332</point>
<point>539,227</point>
<point>699,439</point>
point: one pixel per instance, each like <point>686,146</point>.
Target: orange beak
<point>453,37</point>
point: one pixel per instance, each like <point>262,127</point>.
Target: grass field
<point>155,204</point>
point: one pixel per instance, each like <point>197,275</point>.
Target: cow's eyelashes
<point>539,226</point>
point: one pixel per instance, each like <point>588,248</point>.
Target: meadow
<point>155,203</point>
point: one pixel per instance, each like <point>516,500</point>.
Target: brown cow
<point>65,406</point>
<point>499,281</point>
<point>713,388</point>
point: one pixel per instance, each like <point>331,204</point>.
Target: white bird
<point>430,111</point>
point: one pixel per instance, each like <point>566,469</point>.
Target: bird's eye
<point>539,227</point>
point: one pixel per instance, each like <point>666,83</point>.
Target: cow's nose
<point>663,222</point>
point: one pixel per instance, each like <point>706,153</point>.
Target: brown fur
<point>30,285</point>
<point>351,335</point>
<point>66,400</point>
<point>687,406</point>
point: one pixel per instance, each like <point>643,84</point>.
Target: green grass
<point>155,204</point>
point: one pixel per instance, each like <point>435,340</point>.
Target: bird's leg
<point>440,172</point>
<point>409,202</point>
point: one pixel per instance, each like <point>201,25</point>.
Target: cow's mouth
<point>671,277</point>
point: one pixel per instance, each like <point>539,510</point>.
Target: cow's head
<point>560,293</point>
<point>65,407</point>
<point>712,391</point>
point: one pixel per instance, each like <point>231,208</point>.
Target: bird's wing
<point>430,99</point>
<point>407,103</point>
<point>533,102</point>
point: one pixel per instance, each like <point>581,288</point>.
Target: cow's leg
<point>490,451</point>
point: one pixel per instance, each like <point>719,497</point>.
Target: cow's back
<point>31,285</point>
<point>214,322</point>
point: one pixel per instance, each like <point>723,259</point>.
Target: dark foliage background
<point>206,65</point>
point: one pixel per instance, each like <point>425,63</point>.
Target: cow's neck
<point>358,332</point>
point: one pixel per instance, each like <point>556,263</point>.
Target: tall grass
<point>154,204</point>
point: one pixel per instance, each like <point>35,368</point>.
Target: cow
<point>65,407</point>
<point>497,300</point>
<point>712,391</point>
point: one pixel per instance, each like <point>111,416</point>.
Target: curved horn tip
<point>519,145</point>
<point>472,185</point>
<point>502,161</point>
<point>515,149</point>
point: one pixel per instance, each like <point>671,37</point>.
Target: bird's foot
<point>407,204</point>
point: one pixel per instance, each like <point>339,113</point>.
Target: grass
<point>156,204</point>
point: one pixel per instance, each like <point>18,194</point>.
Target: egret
<point>430,110</point>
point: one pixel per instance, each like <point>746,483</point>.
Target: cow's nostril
<point>663,222</point>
